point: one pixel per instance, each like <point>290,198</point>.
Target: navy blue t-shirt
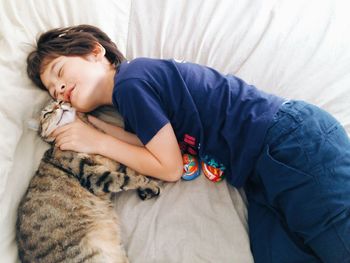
<point>218,117</point>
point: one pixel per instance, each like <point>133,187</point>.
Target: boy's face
<point>76,80</point>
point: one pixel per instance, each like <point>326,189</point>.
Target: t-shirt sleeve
<point>141,106</point>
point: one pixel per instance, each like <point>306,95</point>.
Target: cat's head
<point>54,115</point>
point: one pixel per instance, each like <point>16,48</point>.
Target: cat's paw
<point>150,191</point>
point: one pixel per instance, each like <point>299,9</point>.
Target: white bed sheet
<point>294,48</point>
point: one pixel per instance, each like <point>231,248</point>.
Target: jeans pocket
<point>279,177</point>
<point>295,194</point>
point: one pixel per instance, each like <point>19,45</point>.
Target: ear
<point>33,124</point>
<point>99,51</point>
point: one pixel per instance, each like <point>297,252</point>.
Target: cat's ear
<point>33,124</point>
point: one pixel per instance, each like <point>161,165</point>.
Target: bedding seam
<point>128,29</point>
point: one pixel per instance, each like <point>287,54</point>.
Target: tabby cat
<point>66,215</point>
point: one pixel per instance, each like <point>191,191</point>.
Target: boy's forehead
<point>45,65</point>
<point>49,63</point>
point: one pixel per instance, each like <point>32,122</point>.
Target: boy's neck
<point>108,86</point>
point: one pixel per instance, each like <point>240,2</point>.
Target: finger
<point>61,129</point>
<point>97,122</point>
<point>65,146</point>
<point>92,118</point>
<point>61,138</point>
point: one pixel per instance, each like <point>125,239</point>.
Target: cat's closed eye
<point>46,114</point>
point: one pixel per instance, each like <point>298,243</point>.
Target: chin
<point>83,103</point>
<point>83,107</point>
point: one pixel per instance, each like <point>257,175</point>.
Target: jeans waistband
<point>286,119</point>
<point>292,106</point>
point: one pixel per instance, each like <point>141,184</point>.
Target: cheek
<point>84,95</point>
<point>82,101</point>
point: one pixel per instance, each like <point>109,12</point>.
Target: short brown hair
<point>78,40</point>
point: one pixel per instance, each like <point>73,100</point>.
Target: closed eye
<point>46,113</point>
<point>60,72</point>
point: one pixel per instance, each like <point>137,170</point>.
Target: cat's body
<point>66,214</point>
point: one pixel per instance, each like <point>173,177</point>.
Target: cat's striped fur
<point>66,214</point>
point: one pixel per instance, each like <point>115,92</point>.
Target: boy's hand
<point>104,126</point>
<point>78,136</point>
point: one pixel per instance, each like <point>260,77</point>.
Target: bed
<point>293,48</point>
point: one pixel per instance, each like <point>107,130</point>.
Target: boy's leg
<point>270,240</point>
<point>305,170</point>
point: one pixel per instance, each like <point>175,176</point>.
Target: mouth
<point>58,122</point>
<point>68,94</point>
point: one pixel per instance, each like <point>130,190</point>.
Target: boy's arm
<point>115,131</point>
<point>160,158</point>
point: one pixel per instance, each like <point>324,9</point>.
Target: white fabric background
<point>294,48</point>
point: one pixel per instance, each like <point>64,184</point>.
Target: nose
<point>60,88</point>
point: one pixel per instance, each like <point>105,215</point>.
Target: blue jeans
<point>299,194</point>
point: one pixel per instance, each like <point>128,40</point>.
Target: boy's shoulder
<point>143,68</point>
<point>156,62</point>
<point>145,61</point>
